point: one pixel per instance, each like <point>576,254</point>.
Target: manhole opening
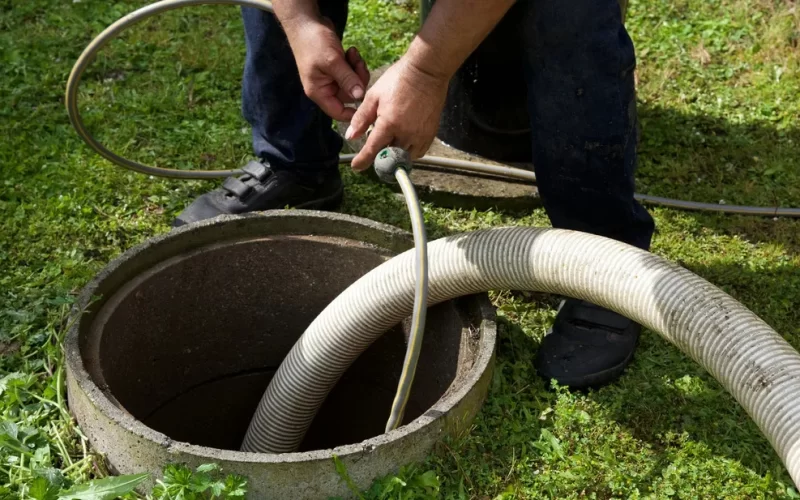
<point>189,346</point>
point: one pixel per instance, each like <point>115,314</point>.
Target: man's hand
<point>331,78</point>
<point>405,106</point>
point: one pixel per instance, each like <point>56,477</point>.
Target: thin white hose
<point>418,317</point>
<point>755,364</point>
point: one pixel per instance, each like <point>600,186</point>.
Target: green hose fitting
<point>389,160</point>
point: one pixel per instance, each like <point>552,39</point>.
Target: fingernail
<point>349,132</point>
<point>358,92</point>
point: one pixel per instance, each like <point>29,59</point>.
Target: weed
<point>411,483</point>
<point>207,482</point>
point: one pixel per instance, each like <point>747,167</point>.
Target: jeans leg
<point>581,98</point>
<point>289,130</point>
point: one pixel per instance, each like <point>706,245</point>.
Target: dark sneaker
<point>262,188</point>
<point>588,346</point>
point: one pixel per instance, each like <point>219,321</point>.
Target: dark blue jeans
<point>579,69</point>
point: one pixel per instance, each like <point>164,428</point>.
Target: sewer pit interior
<point>189,347</point>
<point>185,347</point>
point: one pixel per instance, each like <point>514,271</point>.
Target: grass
<point>718,84</point>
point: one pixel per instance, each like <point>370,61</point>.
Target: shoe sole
<point>595,380</point>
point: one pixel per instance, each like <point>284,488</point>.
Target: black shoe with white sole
<point>262,188</point>
<point>588,346</point>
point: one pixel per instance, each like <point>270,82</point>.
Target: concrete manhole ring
<point>173,343</point>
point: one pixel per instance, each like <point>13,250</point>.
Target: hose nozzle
<point>389,160</point>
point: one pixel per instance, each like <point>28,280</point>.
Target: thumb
<point>347,79</point>
<point>365,115</point>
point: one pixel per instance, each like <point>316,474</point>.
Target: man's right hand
<point>331,77</point>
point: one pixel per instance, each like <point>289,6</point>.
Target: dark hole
<point>190,347</point>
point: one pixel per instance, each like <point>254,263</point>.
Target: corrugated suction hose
<point>755,364</point>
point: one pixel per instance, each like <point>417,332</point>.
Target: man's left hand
<point>405,106</point>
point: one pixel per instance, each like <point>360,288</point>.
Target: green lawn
<point>718,92</point>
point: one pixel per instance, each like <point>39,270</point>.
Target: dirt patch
<point>9,348</point>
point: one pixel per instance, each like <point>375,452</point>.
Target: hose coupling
<point>389,160</point>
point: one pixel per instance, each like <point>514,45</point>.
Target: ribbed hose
<point>758,367</point>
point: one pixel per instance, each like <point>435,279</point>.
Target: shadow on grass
<point>706,158</point>
<point>665,393</point>
<point>783,232</point>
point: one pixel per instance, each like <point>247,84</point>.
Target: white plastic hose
<point>418,317</point>
<point>755,364</point>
